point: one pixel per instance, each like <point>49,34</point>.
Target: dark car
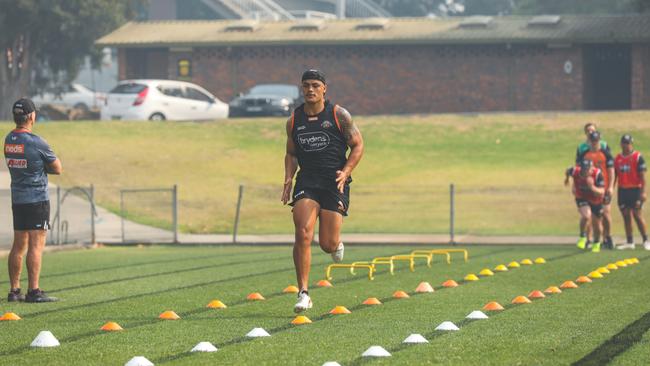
<point>266,100</point>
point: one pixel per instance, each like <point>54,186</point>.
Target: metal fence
<point>149,215</point>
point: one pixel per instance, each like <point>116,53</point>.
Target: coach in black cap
<point>29,159</point>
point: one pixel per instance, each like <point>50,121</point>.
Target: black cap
<point>594,136</point>
<point>313,74</point>
<point>585,164</point>
<point>627,139</point>
<point>23,107</point>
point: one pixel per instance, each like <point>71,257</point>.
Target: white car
<point>73,96</point>
<point>160,100</point>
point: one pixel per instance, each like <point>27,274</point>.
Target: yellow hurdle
<point>371,269</point>
<point>431,254</point>
<point>445,252</point>
<point>465,252</point>
<point>405,257</point>
<point>384,260</point>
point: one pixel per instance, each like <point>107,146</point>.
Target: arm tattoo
<point>348,127</point>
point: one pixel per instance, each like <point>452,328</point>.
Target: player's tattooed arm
<point>353,138</point>
<point>290,163</point>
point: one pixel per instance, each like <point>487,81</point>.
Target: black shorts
<point>596,210</point>
<point>629,198</point>
<point>32,216</point>
<point>331,200</point>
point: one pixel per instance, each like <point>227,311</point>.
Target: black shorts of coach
<point>629,198</point>
<point>328,199</point>
<point>596,210</point>
<point>31,216</point>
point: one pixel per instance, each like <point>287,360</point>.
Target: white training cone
<point>376,351</point>
<point>415,338</point>
<point>45,339</point>
<point>447,326</point>
<point>331,363</point>
<point>139,361</point>
<point>476,314</point>
<point>257,332</point>
<point>204,347</point>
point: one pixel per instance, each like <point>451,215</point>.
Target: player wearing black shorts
<point>630,168</point>
<point>29,159</point>
<point>318,136</point>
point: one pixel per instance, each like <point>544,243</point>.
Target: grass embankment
<point>508,170</point>
<point>132,286</point>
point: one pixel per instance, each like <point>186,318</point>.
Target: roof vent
<point>373,24</point>
<point>545,21</point>
<point>308,25</point>
<point>477,21</point>
<point>248,25</point>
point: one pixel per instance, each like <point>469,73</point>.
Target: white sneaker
<point>646,245</point>
<point>625,246</point>
<point>304,303</point>
<point>337,255</point>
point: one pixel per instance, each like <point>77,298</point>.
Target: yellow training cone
<point>324,283</point>
<point>169,315</point>
<point>291,289</point>
<point>621,264</point>
<point>635,260</point>
<point>603,270</point>
<point>629,261</point>
<point>513,265</point>
<point>255,296</point>
<point>216,304</point>
<point>10,316</point>
<point>527,262</point>
<point>540,260</point>
<point>521,300</point>
<point>424,287</point>
<point>400,295</point>
<point>612,267</point>
<point>553,290</point>
<point>372,301</point>
<point>471,277</point>
<point>111,327</point>
<point>501,268</point>
<point>300,319</point>
<point>595,274</point>
<point>568,284</point>
<point>583,279</point>
<point>486,272</point>
<point>340,310</point>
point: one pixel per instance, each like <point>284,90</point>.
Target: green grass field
<point>507,167</point>
<point>606,321</point>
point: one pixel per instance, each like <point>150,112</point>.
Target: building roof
<point>455,30</point>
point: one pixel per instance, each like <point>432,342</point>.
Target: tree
<point>41,41</point>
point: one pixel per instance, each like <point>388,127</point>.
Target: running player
<point>588,189</point>
<point>630,170</point>
<point>318,136</point>
<point>29,159</point>
<point>603,160</point>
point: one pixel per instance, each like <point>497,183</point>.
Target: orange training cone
<point>169,315</point>
<point>340,310</point>
<point>521,300</point>
<point>536,295</point>
<point>301,319</point>
<point>255,296</point>
<point>216,304</point>
<point>324,283</point>
<point>111,327</point>
<point>424,287</point>
<point>450,283</point>
<point>568,284</point>
<point>10,316</point>
<point>493,306</point>
<point>583,279</point>
<point>372,301</point>
<point>400,295</point>
<point>291,289</point>
<point>553,290</point>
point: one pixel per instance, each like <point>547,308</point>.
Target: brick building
<point>408,65</point>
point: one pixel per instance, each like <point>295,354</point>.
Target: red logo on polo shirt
<point>14,149</point>
<point>17,163</point>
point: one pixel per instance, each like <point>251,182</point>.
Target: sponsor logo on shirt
<point>312,119</point>
<point>17,163</point>
<point>301,128</point>
<point>14,149</point>
<point>326,124</point>
<point>313,141</point>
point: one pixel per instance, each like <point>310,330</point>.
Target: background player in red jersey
<point>630,169</point>
<point>588,189</point>
<point>318,136</point>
